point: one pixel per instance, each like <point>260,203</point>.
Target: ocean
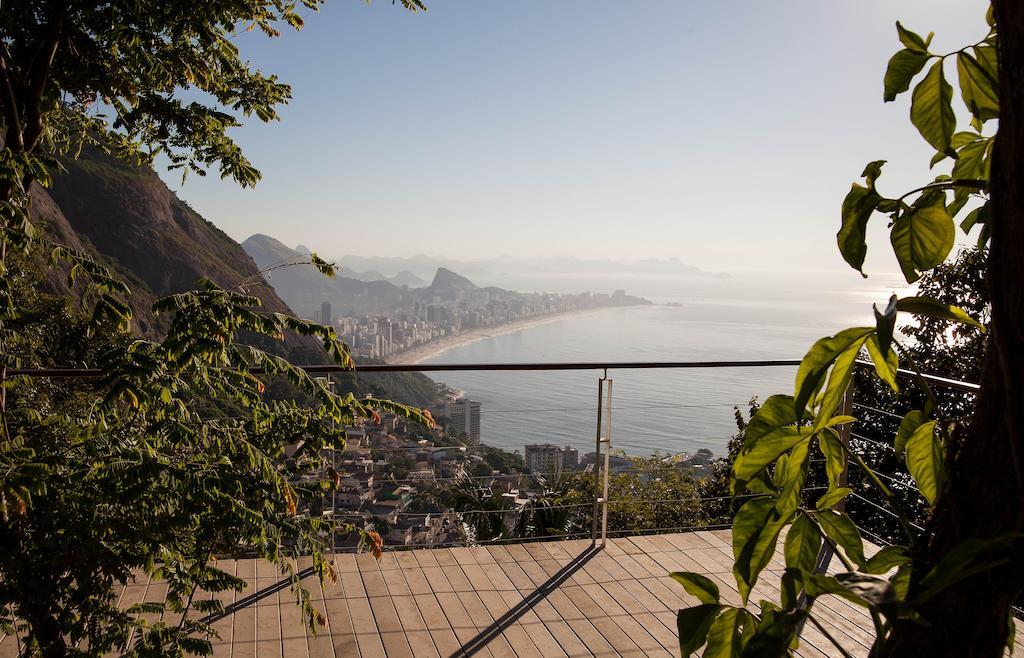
<point>743,317</point>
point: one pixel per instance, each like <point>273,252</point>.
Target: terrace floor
<point>535,599</point>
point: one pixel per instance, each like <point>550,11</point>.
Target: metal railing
<point>599,531</point>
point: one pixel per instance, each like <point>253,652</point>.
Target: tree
<point>947,590</point>
<point>174,454</point>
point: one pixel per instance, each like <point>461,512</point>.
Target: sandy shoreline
<point>421,353</point>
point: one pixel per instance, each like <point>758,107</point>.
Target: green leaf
<point>724,635</point>
<point>888,558</point>
<point>838,384</point>
<point>979,88</point>
<point>693,625</point>
<point>924,460</point>
<point>933,308</point>
<point>843,532</point>
<point>697,585</point>
<point>885,323</point>
<point>835,456</point>
<point>832,497</point>
<point>979,215</point>
<point>886,366</point>
<point>755,532</point>
<point>912,40</point>
<point>931,109</point>
<point>923,236</point>
<point>902,68</point>
<point>819,358</point>
<point>776,412</point>
<point>859,204</point>
<point>793,476</point>
<point>775,634</point>
<point>803,541</point>
<point>908,425</point>
<point>766,450</point>
<point>816,585</point>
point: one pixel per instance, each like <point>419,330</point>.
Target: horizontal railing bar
<point>453,367</point>
<point>499,367</point>
<point>967,387</point>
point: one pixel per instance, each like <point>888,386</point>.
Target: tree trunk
<point>984,488</point>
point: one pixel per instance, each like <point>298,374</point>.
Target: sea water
<point>743,317</point>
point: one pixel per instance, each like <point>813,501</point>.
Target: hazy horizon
<point>724,135</point>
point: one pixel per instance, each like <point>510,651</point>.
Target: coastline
<point>429,350</point>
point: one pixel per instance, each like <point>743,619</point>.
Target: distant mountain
<point>305,288</point>
<point>445,279</point>
<point>423,266</point>
<point>128,219</point>
<point>420,265</point>
<point>407,278</point>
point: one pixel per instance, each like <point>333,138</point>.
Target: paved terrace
<point>535,599</point>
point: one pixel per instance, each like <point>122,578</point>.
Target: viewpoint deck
<point>545,599</point>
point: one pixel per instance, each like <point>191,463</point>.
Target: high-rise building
<point>545,458</point>
<point>464,418</point>
<point>325,314</point>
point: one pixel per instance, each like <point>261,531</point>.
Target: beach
<point>429,350</point>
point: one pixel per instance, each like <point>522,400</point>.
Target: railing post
<point>607,465</point>
<point>597,456</point>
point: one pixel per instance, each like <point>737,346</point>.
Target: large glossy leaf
<point>697,585</point>
<point>885,323</point>
<point>931,109</point>
<point>819,584</point>
<point>724,635</point>
<point>693,625</point>
<point>775,634</point>
<point>923,236</point>
<point>803,541</point>
<point>859,204</point>
<point>924,460</point>
<point>885,365</point>
<point>888,558</point>
<point>820,358</point>
<point>933,308</point>
<point>979,88</point>
<point>792,478</point>
<point>973,163</point>
<point>902,68</point>
<point>835,456</point>
<point>912,40</point>
<point>776,412</point>
<point>755,533</point>
<point>841,529</point>
<point>833,497</point>
<point>766,450</point>
<point>838,383</point>
<point>908,425</point>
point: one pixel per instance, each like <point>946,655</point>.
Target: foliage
<point>934,346</point>
<point>773,465</point>
<point>176,454</point>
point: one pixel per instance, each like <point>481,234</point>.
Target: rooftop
<point>560,598</point>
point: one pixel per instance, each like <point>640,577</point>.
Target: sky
<point>722,133</point>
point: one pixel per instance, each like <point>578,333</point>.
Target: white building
<point>464,418</point>
<point>544,458</point>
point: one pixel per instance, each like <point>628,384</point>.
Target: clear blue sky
<point>724,133</point>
